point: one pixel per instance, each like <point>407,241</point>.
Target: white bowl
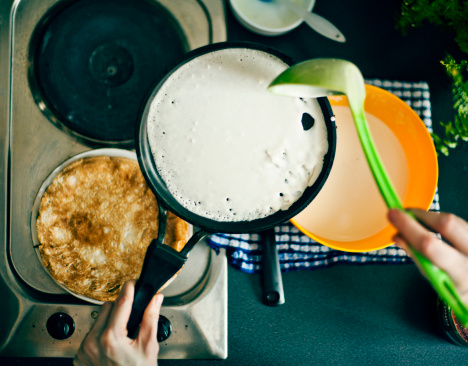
<point>267,18</point>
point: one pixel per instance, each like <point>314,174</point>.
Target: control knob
<point>60,326</point>
<point>164,328</point>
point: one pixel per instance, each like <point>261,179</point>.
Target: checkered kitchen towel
<point>297,251</point>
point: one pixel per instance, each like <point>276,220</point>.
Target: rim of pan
<point>159,188</point>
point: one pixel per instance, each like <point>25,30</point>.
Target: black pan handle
<point>145,287</point>
<point>160,265</point>
<point>273,294</point>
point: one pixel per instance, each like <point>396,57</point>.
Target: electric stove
<point>74,74</point>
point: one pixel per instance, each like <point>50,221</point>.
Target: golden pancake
<point>95,223</point>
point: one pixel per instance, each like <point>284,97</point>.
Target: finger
<point>400,242</point>
<point>441,254</point>
<point>81,359</point>
<point>89,350</point>
<point>120,314</point>
<point>452,228</point>
<point>77,362</point>
<point>149,323</point>
<point>101,320</point>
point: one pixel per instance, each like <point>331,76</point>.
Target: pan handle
<point>145,288</point>
<point>150,282</point>
<point>273,294</point>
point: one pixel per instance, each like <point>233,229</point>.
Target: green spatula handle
<point>444,286</point>
<point>439,279</point>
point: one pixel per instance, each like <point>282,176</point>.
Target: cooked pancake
<point>95,223</point>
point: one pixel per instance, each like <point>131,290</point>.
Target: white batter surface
<point>228,149</point>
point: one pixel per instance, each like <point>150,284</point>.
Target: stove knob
<point>164,328</point>
<point>60,326</point>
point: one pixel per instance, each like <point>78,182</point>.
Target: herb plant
<point>451,15</point>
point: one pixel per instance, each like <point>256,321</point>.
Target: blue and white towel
<point>297,251</point>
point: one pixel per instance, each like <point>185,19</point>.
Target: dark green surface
<point>359,315</point>
<point>354,315</point>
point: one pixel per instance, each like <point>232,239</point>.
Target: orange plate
<point>349,214</point>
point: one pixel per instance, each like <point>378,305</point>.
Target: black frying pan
<point>162,262</point>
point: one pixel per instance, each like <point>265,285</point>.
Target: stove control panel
<point>60,326</point>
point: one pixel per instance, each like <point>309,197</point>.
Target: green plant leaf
<point>452,16</point>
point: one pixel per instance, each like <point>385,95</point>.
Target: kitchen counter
<point>350,314</point>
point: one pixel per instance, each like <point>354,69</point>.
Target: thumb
<point>149,323</point>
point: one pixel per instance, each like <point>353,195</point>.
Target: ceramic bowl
<point>267,17</point>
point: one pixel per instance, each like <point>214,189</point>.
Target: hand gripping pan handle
<point>160,265</point>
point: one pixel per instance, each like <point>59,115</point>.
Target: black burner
<point>111,64</point>
<point>94,60</point>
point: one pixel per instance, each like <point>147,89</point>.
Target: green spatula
<point>322,77</point>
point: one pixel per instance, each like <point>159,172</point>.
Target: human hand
<point>451,259</point>
<point>107,342</point>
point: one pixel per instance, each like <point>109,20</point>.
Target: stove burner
<point>111,64</point>
<point>92,62</point>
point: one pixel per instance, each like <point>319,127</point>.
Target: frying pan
<point>161,262</point>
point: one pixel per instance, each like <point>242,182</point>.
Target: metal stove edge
<point>20,308</point>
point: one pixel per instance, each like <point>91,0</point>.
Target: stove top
<point>78,71</point>
<point>123,46</point>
